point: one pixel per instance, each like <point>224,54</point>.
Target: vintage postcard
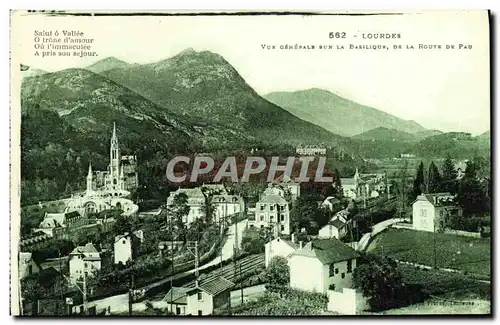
<point>250,163</point>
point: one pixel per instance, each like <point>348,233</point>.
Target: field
<point>471,255</point>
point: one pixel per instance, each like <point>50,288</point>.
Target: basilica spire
<point>114,131</point>
<point>90,171</point>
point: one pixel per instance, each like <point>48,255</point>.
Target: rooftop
<point>177,295</point>
<point>272,198</point>
<point>87,249</point>
<point>214,286</point>
<point>327,251</point>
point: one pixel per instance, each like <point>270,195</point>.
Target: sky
<point>441,89</point>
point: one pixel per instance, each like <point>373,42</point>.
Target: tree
<point>471,195</point>
<point>208,206</point>
<point>418,182</point>
<point>337,184</point>
<point>177,211</point>
<point>434,179</point>
<point>122,225</point>
<point>379,280</point>
<point>32,290</point>
<point>253,241</point>
<point>307,213</point>
<point>278,274</point>
<point>449,176</point>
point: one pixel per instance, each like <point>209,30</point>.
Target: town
<point>410,233</point>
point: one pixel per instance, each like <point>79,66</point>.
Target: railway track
<point>231,271</point>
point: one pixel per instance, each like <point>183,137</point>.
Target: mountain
<point>457,144</point>
<point>91,103</point>
<point>382,133</point>
<point>107,64</point>
<point>203,86</point>
<point>427,133</point>
<point>336,114</point>
<point>485,136</point>
<point>28,71</point>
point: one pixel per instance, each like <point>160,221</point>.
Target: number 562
<point>337,34</point>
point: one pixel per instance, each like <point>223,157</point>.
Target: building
<point>289,185</point>
<point>126,246</point>
<point>272,211</point>
<point>333,229</point>
<point>176,300</point>
<point>364,185</point>
<point>27,266</point>
<point>331,203</point>
<point>310,150</point>
<point>202,299</point>
<point>280,247</point>
<point>83,261</point>
<point>55,223</point>
<point>121,173</point>
<point>224,204</point>
<point>433,212</point>
<point>322,265</point>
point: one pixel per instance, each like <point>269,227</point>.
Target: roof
<point>214,286</point>
<point>438,199</point>
<point>72,214</point>
<point>177,295</point>
<point>327,251</point>
<point>337,223</point>
<point>332,199</point>
<point>87,249</point>
<point>347,181</point>
<point>288,242</point>
<point>272,198</point>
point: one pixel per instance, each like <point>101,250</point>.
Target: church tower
<point>356,182</point>
<point>89,180</point>
<point>114,160</point>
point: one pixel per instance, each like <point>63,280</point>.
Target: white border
<point>255,5</point>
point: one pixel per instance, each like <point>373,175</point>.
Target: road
<point>119,303</point>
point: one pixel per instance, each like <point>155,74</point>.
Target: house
<point>176,300</point>
<point>202,299</point>
<point>331,203</point>
<point>285,182</point>
<point>67,220</point>
<point>364,185</point>
<point>280,247</point>
<point>225,204</point>
<point>310,150</point>
<point>434,211</point>
<point>83,260</point>
<point>126,246</point>
<point>27,265</point>
<point>334,229</point>
<point>338,226</point>
<point>322,265</point>
<point>272,211</point>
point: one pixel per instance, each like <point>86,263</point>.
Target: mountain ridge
<point>337,114</point>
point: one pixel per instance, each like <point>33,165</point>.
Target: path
<point>119,303</point>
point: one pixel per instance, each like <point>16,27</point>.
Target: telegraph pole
<point>84,292</point>
<point>130,295</point>
<point>194,250</point>
<point>172,258</point>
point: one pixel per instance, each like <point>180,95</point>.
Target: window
<point>349,266</point>
<point>331,271</point>
<point>282,228</point>
<point>123,242</point>
<point>261,217</point>
<point>342,275</point>
<point>200,313</point>
<point>178,310</point>
<point>271,208</point>
<point>200,296</point>
<point>282,217</point>
<point>86,265</point>
<point>337,270</point>
<point>261,208</point>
